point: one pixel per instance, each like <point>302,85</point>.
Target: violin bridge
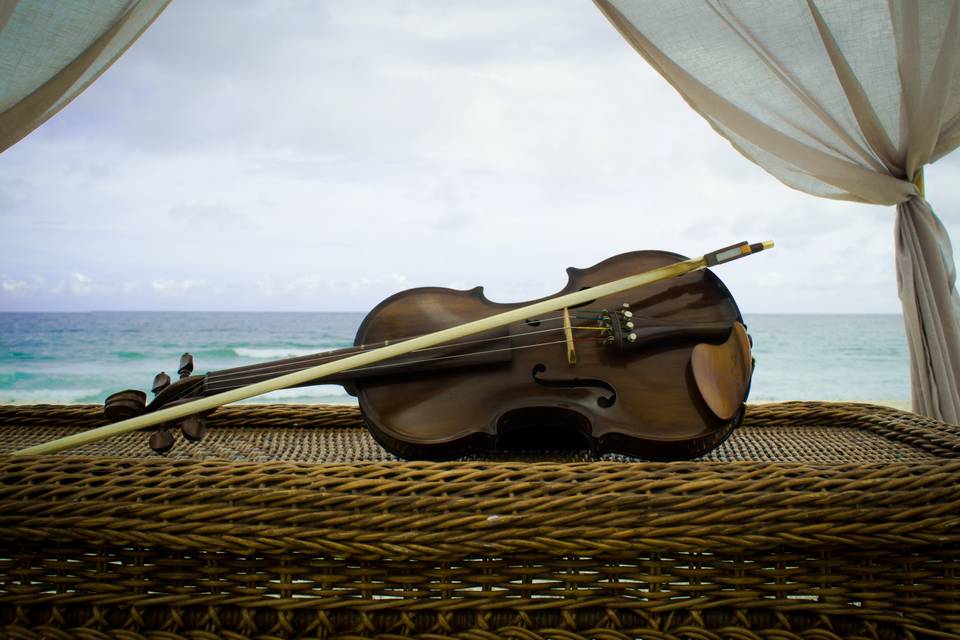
<point>568,332</point>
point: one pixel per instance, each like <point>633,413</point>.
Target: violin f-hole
<point>604,402</point>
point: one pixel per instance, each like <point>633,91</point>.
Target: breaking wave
<point>275,353</point>
<point>51,396</point>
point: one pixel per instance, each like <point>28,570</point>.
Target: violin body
<point>640,400</point>
<point>659,372</point>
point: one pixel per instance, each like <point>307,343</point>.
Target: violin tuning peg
<point>194,428</point>
<point>186,365</point>
<point>161,441</point>
<point>160,382</point>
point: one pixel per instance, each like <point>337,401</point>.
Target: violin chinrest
<point>722,372</point>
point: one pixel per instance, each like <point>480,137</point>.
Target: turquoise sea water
<point>83,357</point>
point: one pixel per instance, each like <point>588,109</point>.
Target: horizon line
<point>768,313</point>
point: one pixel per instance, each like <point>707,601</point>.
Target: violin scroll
<point>122,405</point>
<point>131,403</point>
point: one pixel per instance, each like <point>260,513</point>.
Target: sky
<point>321,156</point>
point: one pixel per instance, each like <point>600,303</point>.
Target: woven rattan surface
<point>815,432</point>
<point>815,520</point>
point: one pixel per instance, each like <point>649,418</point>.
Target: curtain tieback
<point>918,181</point>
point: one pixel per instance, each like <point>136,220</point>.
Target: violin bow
<point>720,256</point>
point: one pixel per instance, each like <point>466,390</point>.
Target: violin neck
<point>490,347</point>
<point>236,377</point>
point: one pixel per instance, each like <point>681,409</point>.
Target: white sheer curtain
<point>843,100</point>
<point>51,51</point>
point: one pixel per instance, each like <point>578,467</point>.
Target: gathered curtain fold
<point>51,51</point>
<point>844,100</point>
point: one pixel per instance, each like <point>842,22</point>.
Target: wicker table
<point>815,520</point>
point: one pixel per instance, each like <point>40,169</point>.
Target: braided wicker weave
<point>815,520</point>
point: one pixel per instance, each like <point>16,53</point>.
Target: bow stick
<point>720,256</point>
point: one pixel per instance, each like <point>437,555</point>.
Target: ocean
<point>84,357</point>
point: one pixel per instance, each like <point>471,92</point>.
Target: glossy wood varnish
<point>639,400</point>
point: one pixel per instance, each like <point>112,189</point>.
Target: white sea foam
<point>274,353</point>
<point>319,394</point>
<point>73,358</point>
<point>50,396</point>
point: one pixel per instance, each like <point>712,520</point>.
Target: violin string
<point>259,372</point>
<point>338,353</point>
<point>530,323</point>
<point>219,381</point>
<point>478,340</point>
<point>450,357</point>
<point>469,355</point>
<point>320,358</point>
<point>185,390</point>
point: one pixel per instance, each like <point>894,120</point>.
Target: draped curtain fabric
<point>839,99</point>
<point>51,51</point>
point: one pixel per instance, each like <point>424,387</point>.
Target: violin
<point>657,372</point>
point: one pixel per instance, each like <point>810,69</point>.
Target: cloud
<point>304,155</point>
<point>13,194</point>
<point>315,282</point>
<point>169,287</point>
<point>214,215</point>
<point>16,287</point>
<point>83,285</point>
